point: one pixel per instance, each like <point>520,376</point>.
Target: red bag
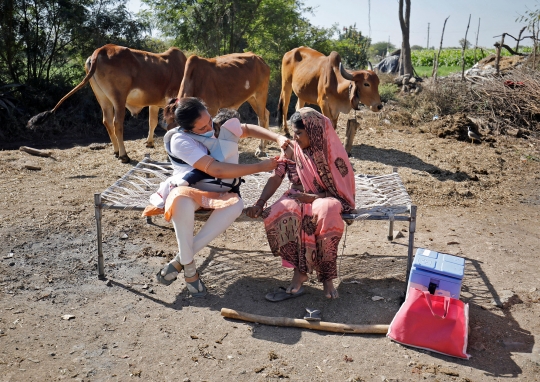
<point>435,323</point>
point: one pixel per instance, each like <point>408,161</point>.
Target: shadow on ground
<point>495,334</point>
<point>397,158</point>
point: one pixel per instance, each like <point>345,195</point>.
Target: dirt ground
<point>478,201</point>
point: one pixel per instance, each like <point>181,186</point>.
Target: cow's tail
<point>42,117</point>
<point>279,116</point>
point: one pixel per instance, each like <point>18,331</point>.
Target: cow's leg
<point>327,112</point>
<point>285,99</point>
<point>153,112</point>
<point>108,113</point>
<point>300,103</point>
<point>263,118</point>
<point>119,114</point>
<point>108,121</point>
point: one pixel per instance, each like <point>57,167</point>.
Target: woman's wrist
<point>260,203</point>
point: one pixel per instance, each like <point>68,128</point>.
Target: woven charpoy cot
<point>377,198</point>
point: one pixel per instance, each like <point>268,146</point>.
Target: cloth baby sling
<point>223,149</point>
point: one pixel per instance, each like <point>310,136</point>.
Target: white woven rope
<point>382,195</point>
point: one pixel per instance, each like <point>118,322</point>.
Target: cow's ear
<point>353,95</point>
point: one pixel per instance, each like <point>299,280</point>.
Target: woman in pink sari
<point>304,226</point>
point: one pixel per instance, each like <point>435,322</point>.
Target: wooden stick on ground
<point>298,323</point>
<point>37,152</point>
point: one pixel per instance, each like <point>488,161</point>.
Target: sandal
<point>281,294</point>
<point>166,271</point>
<point>312,315</point>
<point>196,286</point>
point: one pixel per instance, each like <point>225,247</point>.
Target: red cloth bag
<point>435,323</point>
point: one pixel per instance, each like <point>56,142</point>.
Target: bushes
<point>450,57</point>
<point>388,92</point>
<point>500,104</point>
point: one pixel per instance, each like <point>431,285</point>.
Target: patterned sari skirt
<point>306,235</point>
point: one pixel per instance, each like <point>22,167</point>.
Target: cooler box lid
<point>441,263</point>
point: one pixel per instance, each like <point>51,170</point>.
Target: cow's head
<point>364,88</point>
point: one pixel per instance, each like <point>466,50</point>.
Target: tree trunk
<point>519,38</point>
<point>463,51</point>
<point>476,43</point>
<point>436,65</point>
<point>404,21</point>
<point>498,58</point>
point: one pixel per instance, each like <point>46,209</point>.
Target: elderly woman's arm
<point>269,189</point>
<point>303,197</point>
<point>254,131</point>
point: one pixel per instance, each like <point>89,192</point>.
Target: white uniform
<point>184,147</point>
<point>189,148</point>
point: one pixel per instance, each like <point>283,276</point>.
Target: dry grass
<point>502,104</point>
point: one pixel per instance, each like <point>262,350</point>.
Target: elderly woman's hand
<point>283,141</point>
<point>254,211</point>
<point>302,197</point>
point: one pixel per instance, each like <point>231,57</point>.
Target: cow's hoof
<point>150,145</point>
<point>260,153</point>
<point>116,154</point>
<point>124,159</point>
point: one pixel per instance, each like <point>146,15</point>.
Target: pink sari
<point>307,235</point>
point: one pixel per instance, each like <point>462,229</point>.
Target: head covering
<point>325,165</point>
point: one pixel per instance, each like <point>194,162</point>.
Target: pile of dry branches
<point>509,102</point>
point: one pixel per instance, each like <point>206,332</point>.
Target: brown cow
<point>227,82</point>
<point>127,78</point>
<point>314,79</point>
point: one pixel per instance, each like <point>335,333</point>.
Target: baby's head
<point>223,116</point>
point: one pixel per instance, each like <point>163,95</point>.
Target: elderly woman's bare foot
<point>297,281</point>
<point>329,290</point>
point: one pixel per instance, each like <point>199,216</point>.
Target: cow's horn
<point>369,66</point>
<point>345,73</point>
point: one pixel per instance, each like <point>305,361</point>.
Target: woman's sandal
<point>167,270</point>
<point>196,286</point>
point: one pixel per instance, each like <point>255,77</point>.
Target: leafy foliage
<point>467,43</point>
<point>44,46</point>
<point>353,48</point>
<point>380,48</point>
<point>388,92</point>
<point>43,39</point>
<point>450,57</point>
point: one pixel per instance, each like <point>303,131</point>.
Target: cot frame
<point>139,188</point>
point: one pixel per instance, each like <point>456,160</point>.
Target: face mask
<point>209,134</point>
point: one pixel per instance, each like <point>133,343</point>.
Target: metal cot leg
<point>97,205</point>
<point>391,217</point>
<point>412,229</point>
<point>148,218</point>
<point>390,228</point>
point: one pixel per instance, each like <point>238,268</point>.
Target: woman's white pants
<point>183,219</point>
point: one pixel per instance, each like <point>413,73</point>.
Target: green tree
<point>417,47</point>
<point>216,27</point>
<point>46,39</point>
<point>380,48</point>
<point>464,42</point>
<point>353,48</point>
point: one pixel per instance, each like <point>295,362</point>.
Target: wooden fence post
<point>498,58</point>
<point>463,51</point>
<point>352,126</point>
<point>436,66</point>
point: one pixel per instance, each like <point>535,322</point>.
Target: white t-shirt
<point>190,151</point>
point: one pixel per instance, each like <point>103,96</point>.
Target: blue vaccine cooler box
<point>439,273</point>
